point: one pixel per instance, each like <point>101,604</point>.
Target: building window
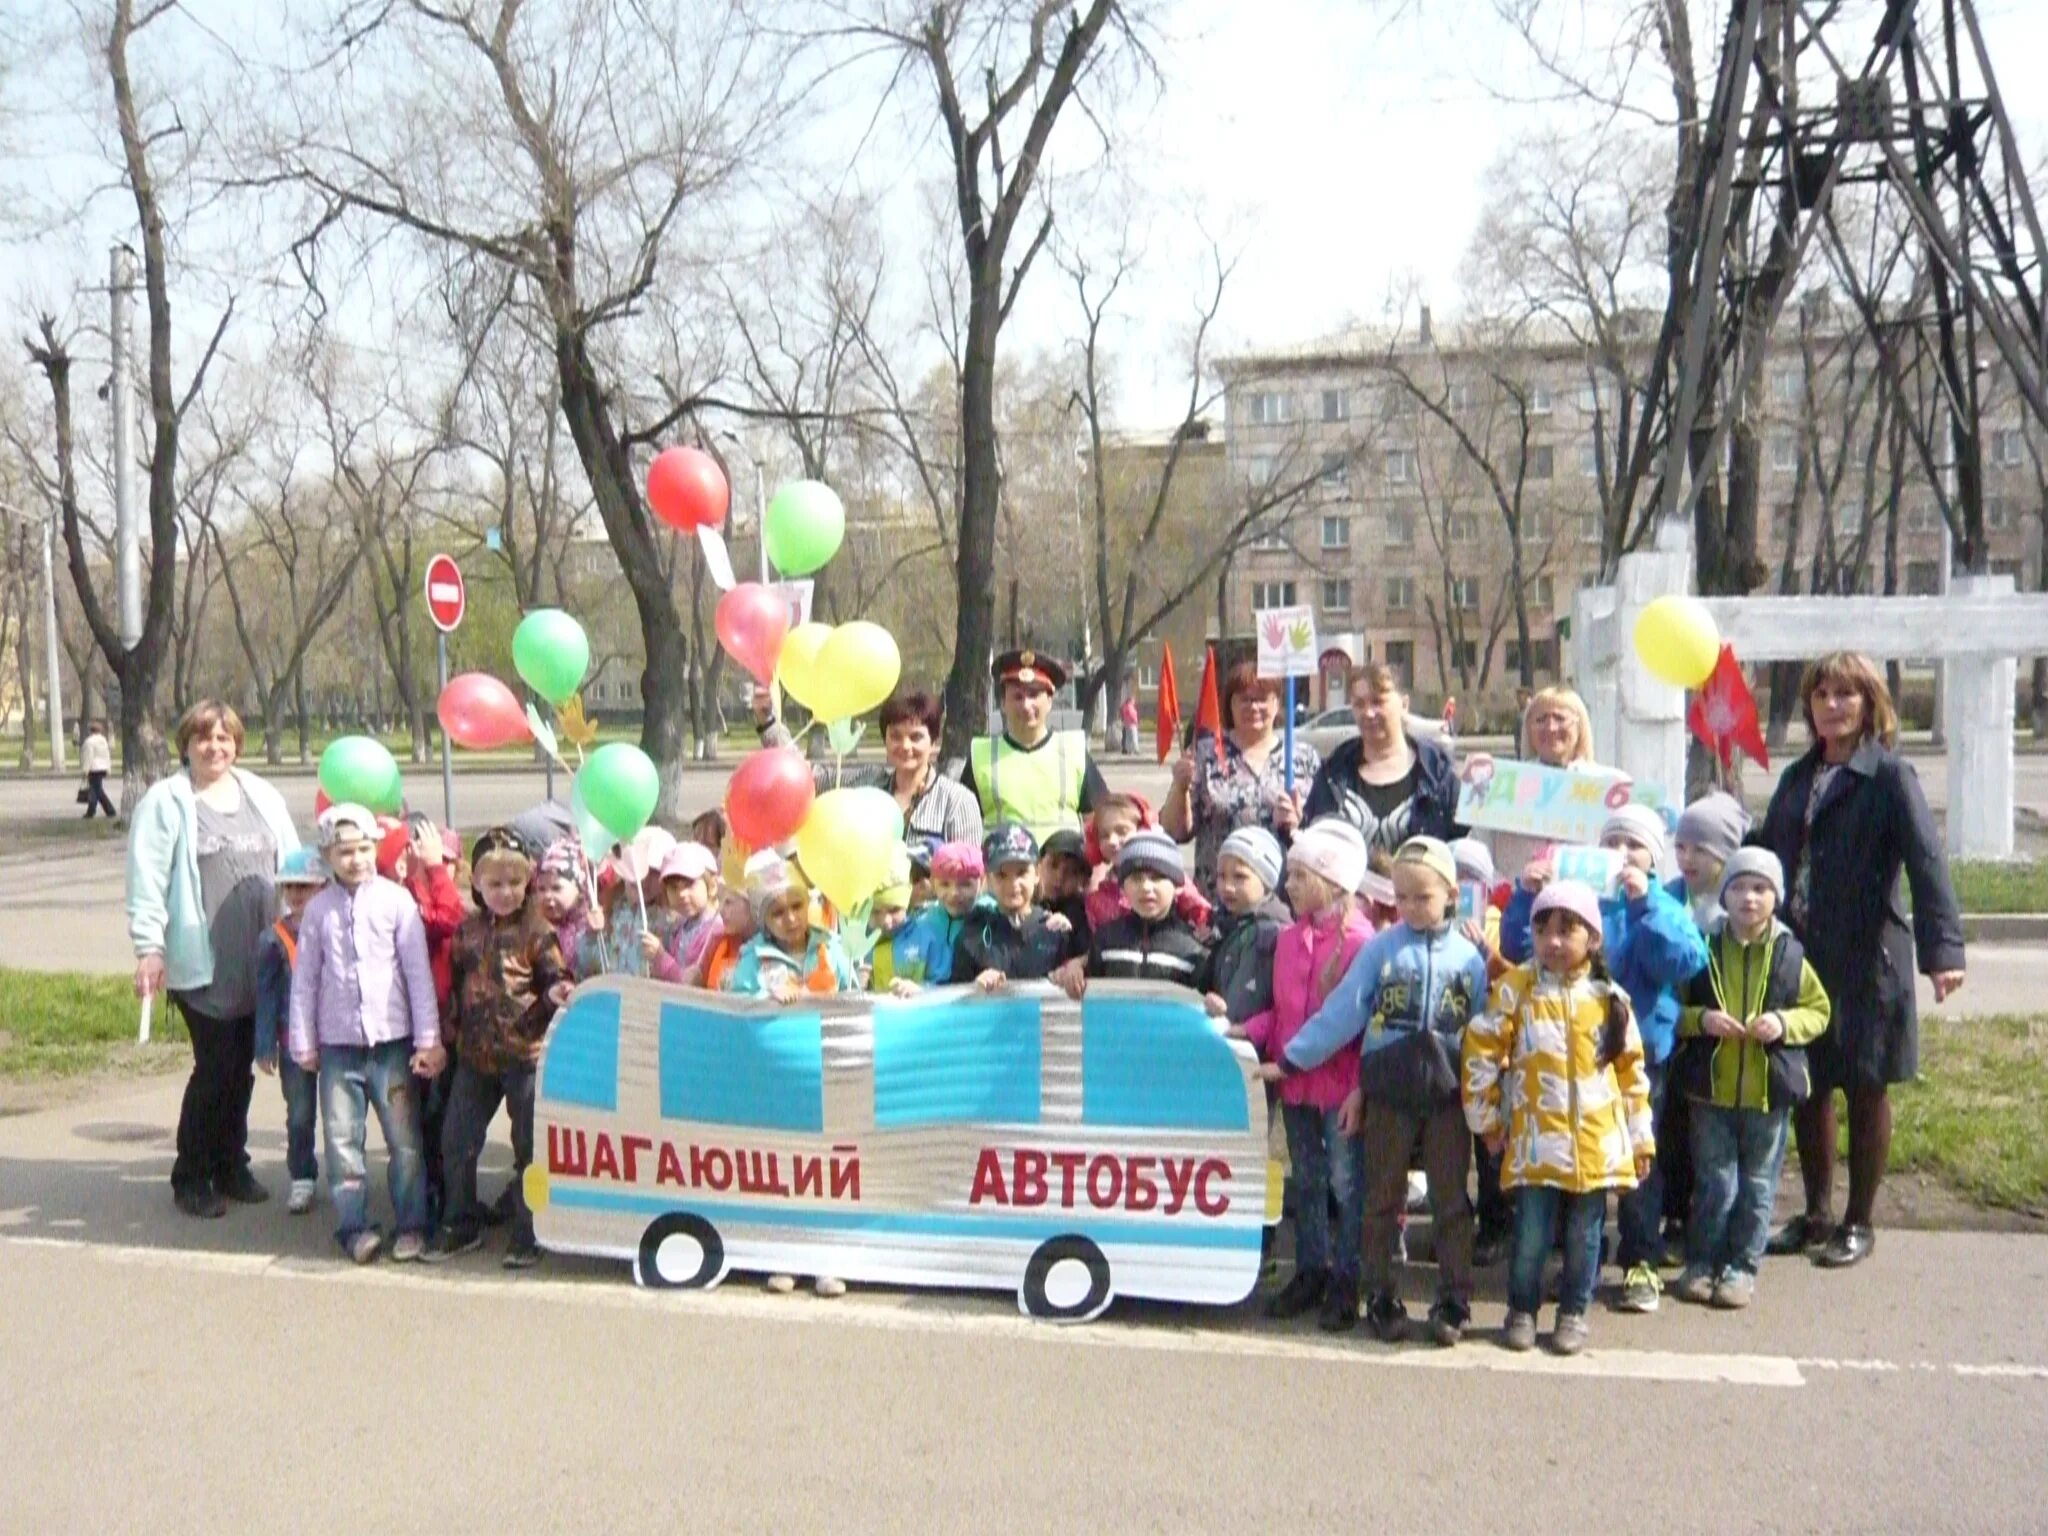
<point>1336,405</point>
<point>1923,578</point>
<point>1335,473</point>
<point>1850,519</point>
<point>1787,387</point>
<point>1785,453</point>
<point>1337,594</point>
<point>1595,397</point>
<point>1401,660</point>
<point>1400,594</point>
<point>1463,527</point>
<point>1923,517</point>
<point>1465,593</point>
<point>1336,533</point>
<point>1272,594</point>
<point>2008,446</point>
<point>1402,468</point>
<point>1542,462</point>
<point>1270,538</point>
<point>1997,513</point>
<point>1269,408</point>
<point>1589,459</point>
<point>1259,469</point>
<point>1781,519</point>
<point>1463,397</point>
<point>2016,569</point>
<point>1401,528</point>
<point>1464,654</point>
<point>1540,403</point>
<point>1592,530</point>
<point>1536,527</point>
<point>1543,593</point>
<point>1542,656</point>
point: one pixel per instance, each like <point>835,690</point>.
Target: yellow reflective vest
<point>1039,788</point>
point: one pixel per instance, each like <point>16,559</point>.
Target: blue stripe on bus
<point>958,1063</point>
<point>766,1072</point>
<point>1019,1228</point>
<point>1155,1064</point>
<point>582,1065</point>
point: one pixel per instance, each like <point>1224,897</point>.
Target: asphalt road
<point>167,1375</point>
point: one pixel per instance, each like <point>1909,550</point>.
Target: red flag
<point>1209,708</point>
<point>1723,714</point>
<point>1168,704</point>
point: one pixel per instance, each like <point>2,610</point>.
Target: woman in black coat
<point>1845,820</point>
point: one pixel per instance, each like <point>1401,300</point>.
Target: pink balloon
<point>769,797</point>
<point>479,712</point>
<point>752,623</point>
<point>687,489</point>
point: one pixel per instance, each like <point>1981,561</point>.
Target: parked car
<point>1333,727</point>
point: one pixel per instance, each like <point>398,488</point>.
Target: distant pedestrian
<point>97,759</point>
<point>1129,716</point>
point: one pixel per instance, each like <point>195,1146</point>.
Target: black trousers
<point>473,1098</point>
<point>213,1123</point>
<point>96,796</point>
<point>1496,1213</point>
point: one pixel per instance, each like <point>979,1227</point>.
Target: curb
<point>2005,928</point>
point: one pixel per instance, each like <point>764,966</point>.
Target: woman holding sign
<point>1846,819</point>
<point>1240,780</point>
<point>1387,782</point>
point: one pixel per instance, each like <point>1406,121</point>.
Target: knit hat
<point>1332,848</point>
<point>1573,896</point>
<point>1009,843</point>
<point>301,866</point>
<point>348,814</point>
<point>1716,823</point>
<point>1153,853</point>
<point>921,850</point>
<point>1639,824</point>
<point>768,876</point>
<point>1473,858</point>
<point>1434,855</point>
<point>894,891</point>
<point>957,861</point>
<point>1258,850</point>
<point>565,861</point>
<point>1066,844</point>
<point>1758,863</point>
<point>689,861</point>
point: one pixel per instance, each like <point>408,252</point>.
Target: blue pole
<point>1288,746</point>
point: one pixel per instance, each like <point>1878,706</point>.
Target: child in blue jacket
<point>1653,949</point>
<point>301,872</point>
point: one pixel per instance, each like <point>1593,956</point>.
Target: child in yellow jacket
<point>1554,1080</point>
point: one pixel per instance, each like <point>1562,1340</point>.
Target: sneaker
<point>1674,1244</point>
<point>521,1256</point>
<point>452,1242</point>
<point>1735,1290</point>
<point>1640,1288</point>
<point>204,1202</point>
<point>365,1245</point>
<point>1798,1235</point>
<point>1520,1333</point>
<point>1447,1320</point>
<point>1387,1318</point>
<point>300,1200</point>
<point>1695,1285</point>
<point>1418,1192</point>
<point>1489,1248</point>
<point>829,1286</point>
<point>409,1247</point>
<point>1568,1337</point>
<point>782,1285</point>
<point>1299,1294</point>
<point>1340,1306</point>
<point>242,1188</point>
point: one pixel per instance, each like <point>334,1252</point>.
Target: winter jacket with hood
<point>1310,958</point>
<point>1132,949</point>
<point>1026,948</point>
<point>822,967</point>
<point>1402,981</point>
<point>1240,968</point>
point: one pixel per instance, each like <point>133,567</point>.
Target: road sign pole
<point>447,759</point>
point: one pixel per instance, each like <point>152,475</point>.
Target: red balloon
<point>769,797</point>
<point>752,623</point>
<point>687,489</point>
<point>479,712</point>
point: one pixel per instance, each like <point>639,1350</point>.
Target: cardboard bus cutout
<point>1069,1152</point>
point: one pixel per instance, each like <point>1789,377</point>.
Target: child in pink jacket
<point>1324,866</point>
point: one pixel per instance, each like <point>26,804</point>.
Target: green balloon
<point>804,526</point>
<point>551,653</point>
<point>360,770</point>
<point>619,784</point>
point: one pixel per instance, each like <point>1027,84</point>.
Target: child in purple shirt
<point>364,1016</point>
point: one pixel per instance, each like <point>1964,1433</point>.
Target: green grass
<point>1974,1121</point>
<point>2020,885</point>
<point>60,1024</point>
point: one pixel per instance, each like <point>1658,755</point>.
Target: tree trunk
<point>974,563</point>
<point>299,712</point>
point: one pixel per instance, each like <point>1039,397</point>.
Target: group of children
<point>1585,1041</point>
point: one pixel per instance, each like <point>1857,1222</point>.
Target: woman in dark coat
<point>1845,820</point>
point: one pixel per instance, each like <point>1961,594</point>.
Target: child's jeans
<point>353,1080</point>
<point>1737,1155</point>
<point>1446,1154</point>
<point>301,1117</point>
<point>473,1099</point>
<point>1536,1213</point>
<point>1640,1211</point>
<point>1326,1162</point>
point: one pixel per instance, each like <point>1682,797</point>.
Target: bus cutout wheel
<point>679,1251</point>
<point>1067,1281</point>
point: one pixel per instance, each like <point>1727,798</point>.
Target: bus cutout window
<point>1155,1064</point>
<point>765,1071</point>
<point>583,1057</point>
<point>957,1063</point>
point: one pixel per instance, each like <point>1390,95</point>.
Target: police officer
<point>1032,774</point>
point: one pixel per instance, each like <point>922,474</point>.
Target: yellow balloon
<point>799,666</point>
<point>860,665</point>
<point>1678,640</point>
<point>846,841</point>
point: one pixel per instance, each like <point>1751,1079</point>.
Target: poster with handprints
<point>1287,641</point>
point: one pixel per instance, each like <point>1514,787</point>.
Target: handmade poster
<point>1471,901</point>
<point>1559,805</point>
<point>1598,867</point>
<point>1287,641</point>
<point>1067,1152</point>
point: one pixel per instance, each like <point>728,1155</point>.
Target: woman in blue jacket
<point>1653,948</point>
